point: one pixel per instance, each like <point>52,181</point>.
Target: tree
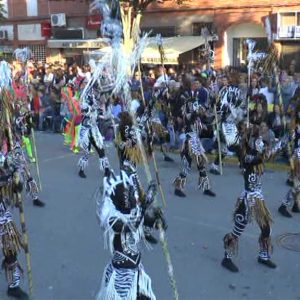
<point>131,14</point>
<point>2,11</point>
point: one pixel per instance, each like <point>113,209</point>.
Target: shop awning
<point>173,47</point>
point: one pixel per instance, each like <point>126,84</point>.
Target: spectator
<point>275,121</point>
<point>116,109</point>
<point>287,91</point>
<point>258,115</point>
<point>136,82</point>
<point>265,90</point>
<point>46,108</point>
<point>48,78</point>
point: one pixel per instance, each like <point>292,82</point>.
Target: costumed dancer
<point>130,154</point>
<point>23,122</point>
<point>90,135</point>
<point>124,212</point>
<point>23,127</point>
<point>293,196</point>
<point>229,104</point>
<point>73,118</point>
<point>11,240</point>
<point>192,148</point>
<point>161,130</point>
<point>251,204</point>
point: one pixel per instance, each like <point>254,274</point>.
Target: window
<point>167,31</point>
<point>288,19</point>
<point>38,51</point>
<point>240,50</point>
<point>197,27</point>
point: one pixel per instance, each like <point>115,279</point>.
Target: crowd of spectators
<point>47,81</point>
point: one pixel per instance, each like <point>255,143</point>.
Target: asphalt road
<point>66,242</point>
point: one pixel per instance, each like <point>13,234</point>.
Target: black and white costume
<point>192,148</point>
<point>123,214</point>
<point>11,240</point>
<point>229,108</point>
<point>90,135</point>
<point>250,206</point>
<point>292,198</point>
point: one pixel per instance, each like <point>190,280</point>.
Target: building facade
<point>58,30</point>
<point>233,22</point>
<point>55,30</point>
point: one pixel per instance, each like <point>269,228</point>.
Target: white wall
<point>30,32</point>
<point>244,30</point>
<point>32,8</point>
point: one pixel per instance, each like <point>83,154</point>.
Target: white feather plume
<point>5,74</point>
<point>23,54</point>
<point>268,29</point>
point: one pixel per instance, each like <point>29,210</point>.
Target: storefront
<point>70,51</point>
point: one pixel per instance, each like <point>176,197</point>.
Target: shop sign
<point>76,44</point>
<point>93,22</point>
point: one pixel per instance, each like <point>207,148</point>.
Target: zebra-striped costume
<point>251,206</point>
<point>292,198</point>
<point>17,158</point>
<point>229,109</point>
<point>122,216</point>
<point>89,135</point>
<point>11,242</point>
<point>192,148</point>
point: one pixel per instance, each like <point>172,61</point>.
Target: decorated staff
<point>149,131</point>
<point>218,138</point>
<point>10,194</point>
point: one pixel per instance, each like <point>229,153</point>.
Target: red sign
<point>93,22</point>
<point>46,29</point>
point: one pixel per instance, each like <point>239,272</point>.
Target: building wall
<point>228,18</point>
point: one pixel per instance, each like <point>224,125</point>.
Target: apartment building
<point>55,30</point>
<point>232,22</point>
<point>58,30</point>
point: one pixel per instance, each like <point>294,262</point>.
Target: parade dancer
<point>130,155</point>
<point>251,204</point>
<point>24,125</point>
<point>11,240</point>
<point>293,196</point>
<point>123,214</point>
<point>73,117</point>
<point>162,132</point>
<point>192,148</point>
<point>229,104</point>
<point>90,135</point>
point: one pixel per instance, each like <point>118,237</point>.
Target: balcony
<point>287,26</point>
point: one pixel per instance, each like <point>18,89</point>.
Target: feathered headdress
<point>23,55</point>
